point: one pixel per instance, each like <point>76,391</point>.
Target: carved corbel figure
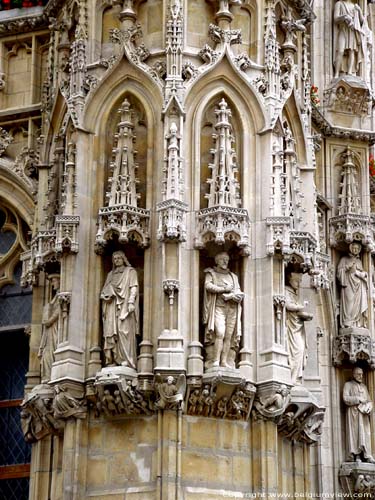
<point>64,405</point>
<point>171,392</point>
<point>275,404</point>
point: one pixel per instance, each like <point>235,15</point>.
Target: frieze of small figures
<point>122,398</point>
<point>211,400</point>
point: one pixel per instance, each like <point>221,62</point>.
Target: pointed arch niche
<point>222,149</point>
<point>125,190</point>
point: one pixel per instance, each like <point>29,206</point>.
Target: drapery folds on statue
<point>120,313</point>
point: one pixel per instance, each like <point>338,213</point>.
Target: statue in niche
<point>221,314</point>
<point>295,325</point>
<point>350,37</point>
<point>120,313</point>
<point>50,324</point>
<point>354,289</point>
<point>359,408</point>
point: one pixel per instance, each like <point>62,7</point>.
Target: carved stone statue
<point>296,336</point>
<point>50,324</point>
<point>359,408</point>
<point>221,313</point>
<point>120,312</point>
<point>171,392</point>
<point>350,38</point>
<point>354,289</point>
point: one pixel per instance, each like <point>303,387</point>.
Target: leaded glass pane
<point>13,447</point>
<point>13,364</point>
<point>14,489</point>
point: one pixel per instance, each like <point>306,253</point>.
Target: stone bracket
<point>172,220</point>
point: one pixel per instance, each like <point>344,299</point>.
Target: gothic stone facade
<point>194,179</point>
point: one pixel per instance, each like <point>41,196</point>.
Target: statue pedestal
<point>118,393</point>
<point>357,477</point>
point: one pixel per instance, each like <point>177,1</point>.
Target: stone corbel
<point>117,393</point>
<point>37,414</point>
<point>271,402</point>
<point>221,399</point>
<point>170,391</point>
<point>303,418</point>
<point>66,405</point>
<point>358,479</point>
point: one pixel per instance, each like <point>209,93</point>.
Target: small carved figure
<point>109,403</point>
<point>350,37</point>
<point>359,408</point>
<point>193,401</point>
<point>50,324</point>
<point>221,313</point>
<point>354,289</point>
<point>118,402</point>
<point>221,408</point>
<point>171,392</point>
<point>296,336</point>
<point>64,405</point>
<point>120,313</point>
<point>238,405</point>
<point>276,401</point>
<point>202,399</point>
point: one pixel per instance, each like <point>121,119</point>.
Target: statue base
<point>117,392</point>
<point>357,477</point>
<point>226,375</point>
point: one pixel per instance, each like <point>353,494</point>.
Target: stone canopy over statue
<point>359,408</point>
<point>221,314</point>
<point>120,313</point>
<point>350,29</point>
<point>354,289</point>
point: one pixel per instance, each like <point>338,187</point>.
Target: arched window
<point>15,316</point>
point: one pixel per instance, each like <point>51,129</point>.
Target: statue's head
<point>55,281</point>
<point>355,248</point>
<point>358,374</point>
<point>119,259</point>
<point>170,380</point>
<point>222,260</point>
<point>294,280</point>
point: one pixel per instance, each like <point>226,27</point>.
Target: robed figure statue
<point>120,312</point>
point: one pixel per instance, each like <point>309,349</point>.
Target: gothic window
<point>15,315</point>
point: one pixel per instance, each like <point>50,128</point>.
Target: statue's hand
<point>131,308</point>
<point>227,288</point>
